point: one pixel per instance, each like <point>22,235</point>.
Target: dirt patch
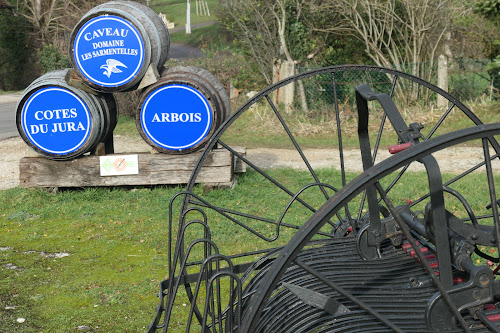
<point>453,160</point>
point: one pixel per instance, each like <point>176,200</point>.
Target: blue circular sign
<point>56,120</point>
<point>109,51</point>
<point>176,117</point>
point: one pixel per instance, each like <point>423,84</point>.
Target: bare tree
<point>407,35</point>
<point>53,20</point>
<point>42,15</point>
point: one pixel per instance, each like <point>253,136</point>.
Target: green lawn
<point>113,244</point>
<point>211,35</point>
<point>176,11</point>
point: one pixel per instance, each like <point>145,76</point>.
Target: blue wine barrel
<point>61,122</point>
<point>179,113</point>
<point>113,45</point>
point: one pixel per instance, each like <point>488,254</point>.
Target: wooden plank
<point>239,165</point>
<point>154,169</point>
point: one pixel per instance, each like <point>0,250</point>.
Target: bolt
<point>413,281</point>
<point>484,279</point>
<point>474,236</point>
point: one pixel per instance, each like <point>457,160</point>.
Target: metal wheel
<point>315,237</point>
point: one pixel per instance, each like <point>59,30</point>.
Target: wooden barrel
<point>179,113</point>
<point>113,45</point>
<point>61,122</point>
<point>211,82</point>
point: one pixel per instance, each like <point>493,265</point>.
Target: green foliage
<point>17,65</point>
<point>299,39</point>
<point>468,86</point>
<point>229,66</point>
<point>493,69</point>
<point>116,258</point>
<point>126,126</point>
<point>51,59</point>
<point>489,8</point>
<point>342,50</point>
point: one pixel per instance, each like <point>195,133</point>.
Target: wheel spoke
<point>266,175</point>
<point>296,145</point>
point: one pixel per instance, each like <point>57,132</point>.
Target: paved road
<point>184,52</point>
<point>8,116</point>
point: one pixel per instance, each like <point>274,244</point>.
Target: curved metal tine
<point>210,307</point>
<point>322,185</point>
<point>175,284</point>
<point>160,311</point>
<point>491,187</point>
<point>346,294</point>
<point>406,231</point>
<point>232,320</point>
<point>179,243</point>
<point>206,234</point>
<point>207,268</point>
<point>465,204</point>
<point>179,252</point>
<point>179,248</point>
<point>267,176</point>
<point>170,223</point>
<point>182,230</point>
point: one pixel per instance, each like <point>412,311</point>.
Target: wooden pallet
<point>153,169</point>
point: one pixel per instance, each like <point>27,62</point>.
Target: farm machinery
<point>405,243</point>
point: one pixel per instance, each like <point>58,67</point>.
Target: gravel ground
<point>452,160</point>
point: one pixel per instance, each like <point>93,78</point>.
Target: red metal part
<point>397,148</point>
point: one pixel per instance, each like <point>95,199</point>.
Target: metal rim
<point>251,318</point>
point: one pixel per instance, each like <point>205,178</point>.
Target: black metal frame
<point>243,314</point>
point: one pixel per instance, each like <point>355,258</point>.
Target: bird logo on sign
<point>111,67</point>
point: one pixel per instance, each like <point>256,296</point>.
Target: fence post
<point>288,69</point>
<point>188,17</point>
<point>442,79</point>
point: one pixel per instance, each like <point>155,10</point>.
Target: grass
<point>208,36</point>
<point>126,127</point>
<point>116,258</point>
<point>175,11</point>
<point>259,127</point>
<point>116,244</point>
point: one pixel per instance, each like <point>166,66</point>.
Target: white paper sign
<point>118,165</point>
